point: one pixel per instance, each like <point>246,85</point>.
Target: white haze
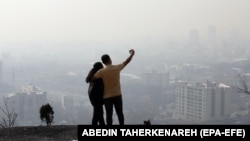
<point>117,20</point>
<point>53,44</point>
<point>91,27</point>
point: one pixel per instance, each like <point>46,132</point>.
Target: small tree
<point>47,114</point>
<point>11,116</point>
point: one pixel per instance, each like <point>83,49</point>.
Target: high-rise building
<point>154,78</point>
<point>27,105</point>
<point>194,36</point>
<point>1,73</point>
<point>202,101</point>
<point>211,33</point>
<point>68,105</point>
<point>68,102</point>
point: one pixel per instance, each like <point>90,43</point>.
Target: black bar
<point>199,132</point>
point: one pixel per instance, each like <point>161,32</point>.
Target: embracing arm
<point>132,53</point>
<point>94,75</point>
<point>90,76</point>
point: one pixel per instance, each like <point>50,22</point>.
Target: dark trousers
<point>97,104</point>
<point>98,115</point>
<point>117,103</point>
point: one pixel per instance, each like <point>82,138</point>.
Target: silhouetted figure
<point>95,91</point>
<point>112,88</point>
<point>147,122</point>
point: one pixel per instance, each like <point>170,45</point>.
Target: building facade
<point>202,101</point>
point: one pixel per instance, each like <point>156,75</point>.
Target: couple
<point>105,88</point>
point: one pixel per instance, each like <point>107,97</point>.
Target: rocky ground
<point>40,133</point>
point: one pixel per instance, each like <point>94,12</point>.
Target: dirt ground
<point>40,133</point>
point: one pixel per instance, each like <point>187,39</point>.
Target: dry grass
<point>40,133</point>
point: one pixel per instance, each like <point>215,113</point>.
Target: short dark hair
<point>105,58</point>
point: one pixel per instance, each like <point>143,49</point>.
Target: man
<point>112,87</point>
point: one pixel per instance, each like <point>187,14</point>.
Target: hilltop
<point>39,133</point>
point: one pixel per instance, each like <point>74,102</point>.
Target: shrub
<point>47,114</point>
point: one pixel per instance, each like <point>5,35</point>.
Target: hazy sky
<point>110,20</point>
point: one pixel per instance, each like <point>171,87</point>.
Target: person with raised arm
<point>112,96</point>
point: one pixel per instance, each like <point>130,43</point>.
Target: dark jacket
<point>95,91</point>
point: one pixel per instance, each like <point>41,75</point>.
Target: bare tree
<point>243,85</point>
<point>10,116</point>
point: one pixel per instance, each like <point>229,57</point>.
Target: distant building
<point>202,101</point>
<point>68,105</point>
<point>211,33</point>
<point>194,37</point>
<point>1,73</point>
<point>68,102</point>
<point>27,105</point>
<point>154,78</point>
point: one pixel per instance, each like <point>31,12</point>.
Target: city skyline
<point>53,45</point>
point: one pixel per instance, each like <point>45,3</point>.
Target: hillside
<point>40,133</point>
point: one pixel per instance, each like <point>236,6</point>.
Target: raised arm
<point>132,53</point>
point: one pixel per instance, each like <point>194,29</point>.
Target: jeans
<point>117,103</point>
<point>97,104</point>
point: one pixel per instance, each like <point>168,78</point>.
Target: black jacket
<point>96,90</point>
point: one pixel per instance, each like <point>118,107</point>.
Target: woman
<point>95,92</point>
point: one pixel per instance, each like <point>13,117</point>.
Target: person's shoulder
<point>118,65</point>
<point>100,70</point>
<point>98,73</point>
<point>121,64</point>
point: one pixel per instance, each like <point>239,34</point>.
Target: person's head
<point>97,66</point>
<point>106,59</point>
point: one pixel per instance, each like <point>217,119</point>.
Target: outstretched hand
<point>132,51</point>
